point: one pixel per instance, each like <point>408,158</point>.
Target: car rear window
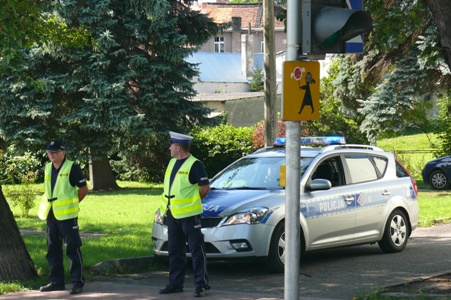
<point>401,171</point>
<point>381,164</point>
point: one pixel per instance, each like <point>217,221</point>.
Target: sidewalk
<point>105,287</point>
<point>111,290</point>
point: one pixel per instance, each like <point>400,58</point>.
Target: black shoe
<point>76,289</point>
<point>170,289</point>
<point>200,292</point>
<point>52,287</point>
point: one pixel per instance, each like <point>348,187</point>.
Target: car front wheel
<point>276,256</point>
<point>396,233</point>
<point>438,180</point>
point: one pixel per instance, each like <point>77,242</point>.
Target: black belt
<point>169,197</point>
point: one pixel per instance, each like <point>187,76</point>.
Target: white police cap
<point>180,138</point>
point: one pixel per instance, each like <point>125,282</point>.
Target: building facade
<point>242,19</point>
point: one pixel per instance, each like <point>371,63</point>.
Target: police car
<point>349,195</point>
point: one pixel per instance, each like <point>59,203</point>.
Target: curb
<point>125,265</point>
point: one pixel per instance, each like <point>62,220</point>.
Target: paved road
<point>338,274</point>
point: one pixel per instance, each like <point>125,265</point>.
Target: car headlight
<point>158,217</point>
<point>253,216</point>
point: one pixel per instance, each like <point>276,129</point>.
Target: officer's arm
<point>82,191</point>
<point>203,190</point>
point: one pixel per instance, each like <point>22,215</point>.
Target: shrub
<point>219,146</point>
<point>443,125</point>
<point>142,160</point>
<point>258,139</point>
<point>23,195</point>
<point>16,167</point>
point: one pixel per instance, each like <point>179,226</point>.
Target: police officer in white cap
<point>185,184</point>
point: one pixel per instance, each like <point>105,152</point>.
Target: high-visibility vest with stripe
<point>185,200</point>
<point>66,205</point>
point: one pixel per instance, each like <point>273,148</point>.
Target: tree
<point>331,121</point>
<point>15,261</point>
<point>22,24</point>
<point>257,84</point>
<point>399,71</point>
<point>441,11</point>
<point>131,83</point>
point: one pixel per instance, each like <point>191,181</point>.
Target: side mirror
<point>318,185</point>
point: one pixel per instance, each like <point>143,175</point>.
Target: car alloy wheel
<point>438,180</point>
<point>396,233</point>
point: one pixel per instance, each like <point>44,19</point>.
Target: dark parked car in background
<point>437,173</point>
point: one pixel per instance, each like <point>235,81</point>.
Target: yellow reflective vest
<point>66,203</point>
<point>185,200</point>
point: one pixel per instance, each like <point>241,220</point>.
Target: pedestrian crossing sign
<point>300,98</point>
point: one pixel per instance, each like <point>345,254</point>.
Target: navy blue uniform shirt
<point>76,177</point>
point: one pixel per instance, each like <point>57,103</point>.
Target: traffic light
<point>328,24</point>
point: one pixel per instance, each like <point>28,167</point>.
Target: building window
<point>219,44</point>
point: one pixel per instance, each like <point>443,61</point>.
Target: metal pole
<point>292,189</point>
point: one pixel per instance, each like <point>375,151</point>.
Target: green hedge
<point>219,146</point>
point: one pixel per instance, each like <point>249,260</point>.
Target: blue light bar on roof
<point>323,140</point>
<point>314,140</point>
<point>279,142</point>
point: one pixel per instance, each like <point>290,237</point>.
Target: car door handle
<point>349,199</point>
<point>386,193</point>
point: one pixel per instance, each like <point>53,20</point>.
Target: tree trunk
<point>441,10</point>
<point>270,74</point>
<point>15,261</point>
<point>101,175</point>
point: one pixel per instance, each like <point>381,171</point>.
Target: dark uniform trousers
<point>67,231</point>
<point>181,231</point>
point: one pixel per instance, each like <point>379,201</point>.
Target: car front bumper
<point>234,241</point>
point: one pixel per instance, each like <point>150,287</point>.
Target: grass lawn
<point>415,141</point>
<point>121,223</point>
<point>413,150</point>
<point>122,220</point>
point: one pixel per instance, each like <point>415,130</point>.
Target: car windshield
<point>254,173</point>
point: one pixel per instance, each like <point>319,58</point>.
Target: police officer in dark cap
<point>65,187</point>
<point>185,184</point>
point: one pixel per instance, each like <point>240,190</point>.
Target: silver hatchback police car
<point>349,195</point>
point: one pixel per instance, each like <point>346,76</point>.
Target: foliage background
<point>219,146</point>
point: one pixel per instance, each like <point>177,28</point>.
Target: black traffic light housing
<point>328,24</point>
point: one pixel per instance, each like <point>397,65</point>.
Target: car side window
<point>331,170</point>
<point>361,168</point>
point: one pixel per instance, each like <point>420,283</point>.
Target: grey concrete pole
<point>292,189</point>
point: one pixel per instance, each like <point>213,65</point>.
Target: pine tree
<point>130,85</point>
